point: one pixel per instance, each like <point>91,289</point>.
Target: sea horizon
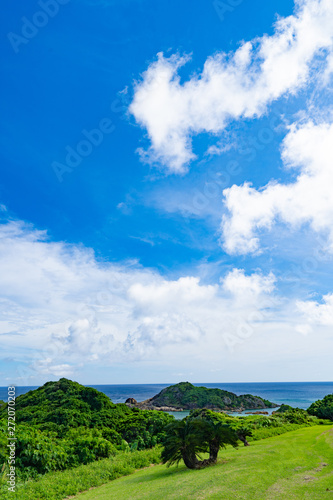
<point>295,394</point>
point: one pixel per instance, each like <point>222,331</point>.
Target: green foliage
<point>64,424</point>
<point>187,438</point>
<point>187,396</point>
<point>255,427</point>
<point>86,445</point>
<point>58,485</point>
<point>183,442</point>
<point>283,467</point>
<point>243,432</point>
<point>111,435</point>
<point>66,404</point>
<point>38,453</point>
<point>284,408</point>
<point>207,414</point>
<point>266,432</point>
<point>323,408</point>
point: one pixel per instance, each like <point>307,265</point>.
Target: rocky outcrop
<point>257,413</point>
<point>131,401</point>
<point>149,405</point>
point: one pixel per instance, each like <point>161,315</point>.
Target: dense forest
<point>63,424</point>
<point>187,396</point>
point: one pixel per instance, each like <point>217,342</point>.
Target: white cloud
<point>231,86</point>
<point>157,295</point>
<point>160,330</point>
<point>64,309</point>
<point>239,284</point>
<point>317,313</point>
<point>307,148</point>
<point>45,367</point>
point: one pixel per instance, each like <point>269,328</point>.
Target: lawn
<point>295,465</point>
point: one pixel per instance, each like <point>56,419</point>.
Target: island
<point>186,396</point>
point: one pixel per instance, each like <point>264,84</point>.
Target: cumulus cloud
<point>240,284</point>
<point>308,150</point>
<point>231,86</point>
<point>160,330</point>
<point>317,313</point>
<point>157,295</point>
<point>68,309</point>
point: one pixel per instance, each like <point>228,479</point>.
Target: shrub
<point>323,408</point>
<point>58,485</point>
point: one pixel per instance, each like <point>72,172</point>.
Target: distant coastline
<point>296,394</point>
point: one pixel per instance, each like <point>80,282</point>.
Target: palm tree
<point>243,431</point>
<point>218,435</point>
<point>183,442</point>
<point>186,439</point>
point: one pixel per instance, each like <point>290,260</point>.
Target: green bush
<point>86,445</point>
<point>263,433</point>
<point>58,485</point>
<point>323,408</point>
<point>64,424</point>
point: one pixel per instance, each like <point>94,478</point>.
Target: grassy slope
<point>283,467</point>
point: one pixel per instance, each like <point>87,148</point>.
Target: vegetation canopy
<point>323,408</point>
<point>188,438</point>
<point>187,396</point>
<point>64,424</point>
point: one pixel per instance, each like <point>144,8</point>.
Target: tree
<point>217,435</point>
<point>186,439</point>
<point>243,431</point>
<point>323,408</point>
<point>183,442</point>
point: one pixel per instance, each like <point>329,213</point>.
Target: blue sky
<point>165,191</point>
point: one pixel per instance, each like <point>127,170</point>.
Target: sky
<point>166,208</point>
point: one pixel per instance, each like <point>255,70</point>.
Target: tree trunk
<point>243,439</point>
<point>192,462</point>
<point>213,452</point>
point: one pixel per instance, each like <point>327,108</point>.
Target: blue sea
<point>296,394</point>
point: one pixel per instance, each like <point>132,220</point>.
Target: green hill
<point>297,465</point>
<point>64,424</point>
<point>187,396</point>
<point>64,405</point>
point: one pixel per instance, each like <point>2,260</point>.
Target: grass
<point>267,432</point>
<point>58,485</point>
<point>295,465</point>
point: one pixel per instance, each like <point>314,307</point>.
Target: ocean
<point>296,394</point>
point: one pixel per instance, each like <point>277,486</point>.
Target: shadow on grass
<point>174,470</point>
